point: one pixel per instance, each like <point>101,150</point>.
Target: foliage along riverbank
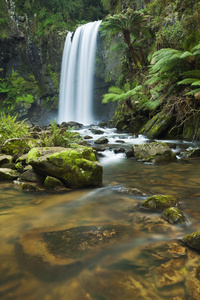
<point>153,69</point>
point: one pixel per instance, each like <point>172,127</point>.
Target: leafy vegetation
<point>59,137</point>
<point>11,128</point>
<point>15,90</point>
<point>54,15</point>
<point>132,25</point>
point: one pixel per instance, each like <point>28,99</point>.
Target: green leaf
<point>187,81</point>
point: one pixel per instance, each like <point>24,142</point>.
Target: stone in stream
<point>101,140</point>
<point>174,216</point>
<point>160,202</point>
<point>74,167</point>
<point>155,152</point>
<point>96,131</point>
<point>116,285</point>
<point>192,240</point>
<point>47,252</point>
<point>119,150</point>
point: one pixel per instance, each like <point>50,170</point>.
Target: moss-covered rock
<point>192,240</point>
<point>174,215</point>
<point>157,126</point>
<point>52,183</point>
<point>8,174</point>
<point>5,159</point>
<point>76,168</point>
<point>18,146</point>
<point>153,152</point>
<point>160,202</point>
<point>26,186</point>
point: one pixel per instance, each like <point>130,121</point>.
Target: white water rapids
<point>76,83</point>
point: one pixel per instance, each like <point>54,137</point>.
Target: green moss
<point>160,202</point>
<point>192,240</point>
<point>174,215</point>
<point>33,154</point>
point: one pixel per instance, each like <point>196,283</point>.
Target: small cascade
<point>76,83</point>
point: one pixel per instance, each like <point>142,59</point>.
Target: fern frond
<point>196,83</point>
<point>187,81</point>
<point>186,54</point>
<point>193,92</point>
<point>115,90</point>
<point>192,73</point>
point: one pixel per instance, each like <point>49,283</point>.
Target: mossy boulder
<point>153,152</point>
<point>5,159</point>
<point>174,215</point>
<point>160,202</point>
<point>192,240</point>
<point>8,174</point>
<point>75,168</point>
<point>157,126</point>
<point>52,183</point>
<point>18,146</point>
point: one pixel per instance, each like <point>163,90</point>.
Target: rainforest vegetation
<point>159,44</point>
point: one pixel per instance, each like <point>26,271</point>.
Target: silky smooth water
<point>77,72</point>
<point>128,266</point>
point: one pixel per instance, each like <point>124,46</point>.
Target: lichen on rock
<point>160,202</point>
<point>174,215</point>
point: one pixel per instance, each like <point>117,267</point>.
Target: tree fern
<point>117,94</point>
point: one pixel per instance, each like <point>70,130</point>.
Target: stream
<point>152,263</point>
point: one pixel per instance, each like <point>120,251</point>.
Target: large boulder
<point>75,168</point>
<point>153,152</point>
<point>157,126</point>
<point>18,146</point>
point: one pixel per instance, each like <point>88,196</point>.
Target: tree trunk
<point>127,38</point>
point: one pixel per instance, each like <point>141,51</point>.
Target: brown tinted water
<point>138,267</point>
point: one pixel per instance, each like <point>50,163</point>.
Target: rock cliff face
<point>22,51</point>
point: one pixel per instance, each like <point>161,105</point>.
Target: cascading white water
<point>76,83</point>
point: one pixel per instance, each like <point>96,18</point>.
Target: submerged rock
<point>192,240</point>
<point>160,202</point>
<point>153,152</point>
<point>116,285</point>
<point>195,152</point>
<point>132,191</point>
<point>76,168</point>
<point>174,216</point>
<point>62,252</point>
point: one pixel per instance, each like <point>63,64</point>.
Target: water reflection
<point>151,264</point>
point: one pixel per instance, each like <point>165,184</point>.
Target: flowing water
<point>134,268</point>
<point>76,83</point>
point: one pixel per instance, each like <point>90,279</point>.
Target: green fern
<point>117,94</point>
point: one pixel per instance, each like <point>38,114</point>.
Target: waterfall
<point>76,83</point>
